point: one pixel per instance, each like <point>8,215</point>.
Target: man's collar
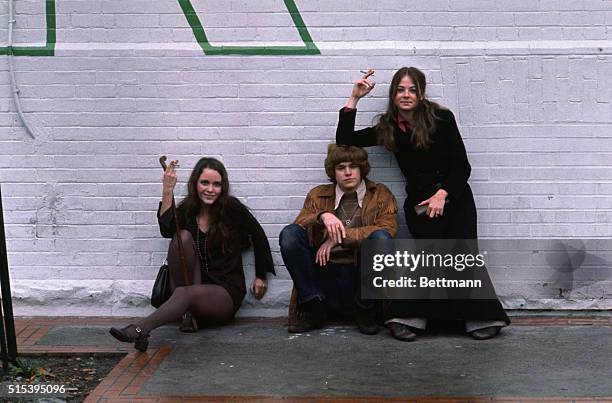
<point>361,191</point>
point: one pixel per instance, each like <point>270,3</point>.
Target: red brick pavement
<point>124,382</point>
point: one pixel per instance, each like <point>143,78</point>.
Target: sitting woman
<point>215,229</point>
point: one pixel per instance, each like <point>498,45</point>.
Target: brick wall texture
<point>530,82</point>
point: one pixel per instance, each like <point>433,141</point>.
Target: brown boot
<point>366,322</point>
<point>307,321</point>
<point>311,316</point>
<point>131,334</point>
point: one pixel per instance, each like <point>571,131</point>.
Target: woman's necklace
<point>202,223</point>
<point>202,258</point>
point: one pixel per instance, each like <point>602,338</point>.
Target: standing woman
<point>430,153</point>
<point>215,229</point>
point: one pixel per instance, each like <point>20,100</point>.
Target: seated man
<point>328,232</point>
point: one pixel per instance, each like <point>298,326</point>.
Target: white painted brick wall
<point>530,82</point>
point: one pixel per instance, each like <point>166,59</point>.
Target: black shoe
<point>486,333</point>
<point>140,340</point>
<point>365,322</point>
<point>401,332</point>
<point>188,323</point>
<point>306,321</point>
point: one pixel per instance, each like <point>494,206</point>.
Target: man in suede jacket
<point>321,248</point>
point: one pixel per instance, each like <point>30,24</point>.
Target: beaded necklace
<point>205,257</point>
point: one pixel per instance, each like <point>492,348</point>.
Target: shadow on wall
<point>577,265</point>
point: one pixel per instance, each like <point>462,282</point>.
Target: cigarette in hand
<point>368,73</point>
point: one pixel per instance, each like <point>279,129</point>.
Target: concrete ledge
<point>131,298</point>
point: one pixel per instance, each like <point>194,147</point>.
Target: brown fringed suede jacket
<point>379,212</point>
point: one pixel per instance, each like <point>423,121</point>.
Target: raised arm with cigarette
<point>361,88</point>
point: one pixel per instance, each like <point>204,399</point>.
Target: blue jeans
<point>337,285</point>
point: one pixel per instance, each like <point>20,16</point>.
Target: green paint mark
<point>309,47</point>
<point>48,49</point>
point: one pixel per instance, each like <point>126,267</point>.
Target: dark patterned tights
<point>209,303</point>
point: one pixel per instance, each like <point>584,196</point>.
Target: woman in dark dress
<point>215,229</point>
<point>430,153</point>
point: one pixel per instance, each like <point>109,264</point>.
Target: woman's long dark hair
<point>219,230</point>
<point>424,116</point>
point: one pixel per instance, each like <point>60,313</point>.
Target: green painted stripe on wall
<point>49,48</point>
<point>309,47</point>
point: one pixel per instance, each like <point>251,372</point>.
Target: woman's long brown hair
<point>219,232</point>
<point>424,116</point>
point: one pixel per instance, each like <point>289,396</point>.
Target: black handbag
<point>161,287</point>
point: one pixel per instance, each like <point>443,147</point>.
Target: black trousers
<point>458,222</point>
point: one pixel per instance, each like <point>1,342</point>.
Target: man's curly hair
<point>339,153</point>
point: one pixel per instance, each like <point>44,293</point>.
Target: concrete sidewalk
<point>538,358</point>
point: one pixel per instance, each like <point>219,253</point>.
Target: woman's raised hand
<point>169,179</point>
<point>361,88</point>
